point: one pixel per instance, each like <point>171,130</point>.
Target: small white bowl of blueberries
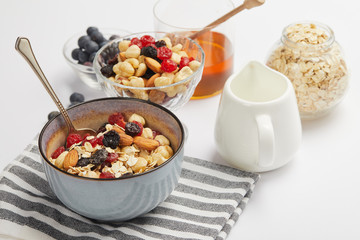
<point>79,51</point>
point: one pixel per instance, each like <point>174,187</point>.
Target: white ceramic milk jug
<point>258,126</point>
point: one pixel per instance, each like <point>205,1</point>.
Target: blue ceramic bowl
<point>116,199</point>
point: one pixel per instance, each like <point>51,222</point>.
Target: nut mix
<point>313,61</point>
<point>119,149</point>
<point>144,62</point>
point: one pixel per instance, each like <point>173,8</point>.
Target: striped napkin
<point>205,205</point>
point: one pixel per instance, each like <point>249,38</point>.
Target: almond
<point>153,64</point>
<point>150,82</point>
<point>156,96</point>
<point>125,140</point>
<point>146,143</point>
<point>122,56</point>
<point>71,159</point>
<point>118,130</point>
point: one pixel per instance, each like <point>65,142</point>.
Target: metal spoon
<point>23,46</point>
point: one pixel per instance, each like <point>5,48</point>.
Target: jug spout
<point>258,83</point>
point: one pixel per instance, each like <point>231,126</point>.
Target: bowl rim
<point>98,73</point>
<point>181,146</point>
<point>84,68</point>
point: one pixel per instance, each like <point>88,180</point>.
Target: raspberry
<point>168,65</point>
<point>117,118</point>
<point>112,157</point>
<point>136,41</point>
<point>57,152</point>
<point>164,53</point>
<point>72,139</point>
<point>141,127</point>
<point>184,62</point>
<point>100,139</point>
<point>107,175</point>
<point>147,40</point>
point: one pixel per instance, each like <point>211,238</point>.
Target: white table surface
<point>316,196</point>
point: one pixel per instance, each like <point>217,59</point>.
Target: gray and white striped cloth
<point>205,205</point>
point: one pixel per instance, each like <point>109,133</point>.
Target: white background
<point>316,196</point>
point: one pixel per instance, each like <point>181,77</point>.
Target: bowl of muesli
<point>125,170</point>
<point>159,67</point>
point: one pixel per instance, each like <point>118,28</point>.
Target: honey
<point>219,57</point>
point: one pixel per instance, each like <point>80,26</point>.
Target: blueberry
<point>83,40</point>
<point>112,37</point>
<point>77,97</point>
<point>97,37</point>
<point>91,47</point>
<point>92,56</point>
<point>91,30</point>
<point>83,57</point>
<point>52,115</point>
<point>75,53</point>
<point>73,104</point>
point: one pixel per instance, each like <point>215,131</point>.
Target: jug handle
<point>266,140</point>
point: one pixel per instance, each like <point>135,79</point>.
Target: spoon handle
<point>23,46</point>
<point>247,4</point>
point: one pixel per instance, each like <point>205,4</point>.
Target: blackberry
<point>149,51</point>
<point>132,129</point>
<point>111,139</point>
<point>160,43</point>
<point>107,71</point>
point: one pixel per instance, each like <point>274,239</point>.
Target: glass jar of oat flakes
<point>309,56</point>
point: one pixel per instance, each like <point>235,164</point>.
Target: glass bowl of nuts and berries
<point>126,169</point>
<point>80,49</point>
<point>159,67</point>
<point>309,56</point>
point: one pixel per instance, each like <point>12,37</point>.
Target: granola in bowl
<point>120,148</point>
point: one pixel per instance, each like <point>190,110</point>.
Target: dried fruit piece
<point>98,157</point>
<point>145,143</point>
<point>72,139</point>
<point>71,159</point>
<point>112,157</point>
<point>107,175</point>
<point>147,40</point>
<point>111,139</point>
<point>136,41</point>
<point>140,126</point>
<point>117,118</point>
<point>168,65</point>
<point>164,53</point>
<point>57,152</point>
<point>132,129</point>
